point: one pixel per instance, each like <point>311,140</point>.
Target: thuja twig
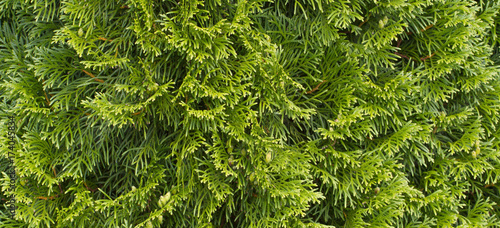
<point>362,23</point>
<point>104,39</point>
<point>47,100</point>
<point>427,57</point>
<point>55,175</point>
<point>428,27</point>
<point>315,88</point>
<point>91,75</point>
<point>90,189</point>
<point>404,56</point>
<point>137,113</point>
<point>399,42</point>
<point>410,33</point>
<point>267,130</point>
<point>47,198</point>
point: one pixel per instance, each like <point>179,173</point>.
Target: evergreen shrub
<point>250,113</point>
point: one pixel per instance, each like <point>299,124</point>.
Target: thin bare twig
<point>315,88</point>
<point>91,75</point>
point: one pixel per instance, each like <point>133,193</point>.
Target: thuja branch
<point>410,33</point>
<point>59,184</point>
<point>47,100</point>
<point>315,88</point>
<point>47,198</point>
<point>362,23</point>
<point>137,113</point>
<point>434,130</point>
<point>401,55</point>
<point>489,185</point>
<point>399,42</point>
<point>104,39</point>
<point>90,189</point>
<point>422,30</point>
<point>427,57</point>
<point>91,75</point>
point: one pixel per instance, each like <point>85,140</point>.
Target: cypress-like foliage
<point>250,113</point>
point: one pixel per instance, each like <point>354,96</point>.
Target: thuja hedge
<point>249,113</point>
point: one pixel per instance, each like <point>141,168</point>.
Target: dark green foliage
<point>317,113</point>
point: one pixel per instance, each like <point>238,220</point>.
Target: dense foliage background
<point>251,113</point>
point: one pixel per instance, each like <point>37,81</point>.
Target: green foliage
<point>255,113</point>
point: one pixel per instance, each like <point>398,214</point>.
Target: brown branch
<point>422,30</point>
<point>428,27</point>
<point>362,23</point>
<point>104,39</point>
<point>124,7</point>
<point>427,57</point>
<point>422,59</point>
<point>90,189</point>
<point>399,42</point>
<point>149,201</point>
<point>404,56</point>
<point>489,185</point>
<point>91,75</point>
<point>47,100</point>
<point>137,113</point>
<point>55,175</point>
<point>60,188</point>
<point>267,130</point>
<point>47,198</point>
<point>315,88</point>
